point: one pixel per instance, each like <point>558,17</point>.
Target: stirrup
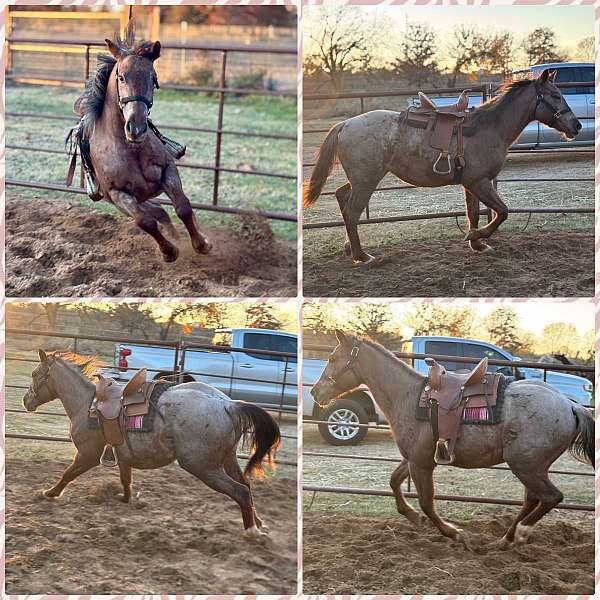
<point>435,164</point>
<point>442,453</point>
<point>109,457</point>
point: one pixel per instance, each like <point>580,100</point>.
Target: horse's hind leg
<point>529,503</point>
<point>221,482</point>
<point>171,184</point>
<point>484,190</point>
<point>146,222</point>
<point>398,476</point>
<point>342,194</point>
<point>356,203</point>
<point>472,210</point>
<point>125,472</point>
<point>232,468</point>
<point>544,490</point>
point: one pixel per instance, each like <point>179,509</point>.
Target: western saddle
<point>113,404</point>
<point>442,122</point>
<point>449,396</point>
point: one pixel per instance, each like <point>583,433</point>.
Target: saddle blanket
<point>475,415</point>
<point>141,423</point>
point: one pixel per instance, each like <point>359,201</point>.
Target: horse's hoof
<point>205,249</point>
<point>460,537</point>
<point>479,246</point>
<point>124,498</point>
<point>50,493</point>
<point>522,534</point>
<point>253,533</point>
<point>364,262</point>
<point>172,256</point>
<point>504,543</point>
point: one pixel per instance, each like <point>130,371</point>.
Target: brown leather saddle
<point>441,122</point>
<point>449,395</point>
<point>113,403</point>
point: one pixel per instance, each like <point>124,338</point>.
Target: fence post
<point>219,127</point>
<point>285,368</point>
<point>177,366</point>
<point>87,62</point>
<point>8,54</point>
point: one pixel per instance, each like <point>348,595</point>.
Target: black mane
<point>486,112</point>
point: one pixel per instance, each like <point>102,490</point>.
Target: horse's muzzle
<point>134,133</point>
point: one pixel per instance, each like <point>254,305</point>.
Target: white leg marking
<point>253,533</point>
<point>522,533</point>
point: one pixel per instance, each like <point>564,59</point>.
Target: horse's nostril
<point>578,126</point>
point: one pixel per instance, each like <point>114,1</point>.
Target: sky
<point>570,23</point>
<point>534,314</point>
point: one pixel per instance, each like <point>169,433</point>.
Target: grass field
<point>254,114</point>
<point>448,480</point>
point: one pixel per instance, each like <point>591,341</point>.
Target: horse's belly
<point>151,450</point>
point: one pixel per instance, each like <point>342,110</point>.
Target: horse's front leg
<point>125,473</point>
<point>423,478</point>
<point>398,476</point>
<point>86,458</point>
<point>146,221</point>
<point>484,190</point>
<point>171,184</point>
<point>472,211</point>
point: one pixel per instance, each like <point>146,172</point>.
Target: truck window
<point>273,343</point>
<point>569,75</point>
<point>447,348</point>
<point>477,351</point>
<point>587,74</point>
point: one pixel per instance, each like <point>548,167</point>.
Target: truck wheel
<point>343,411</point>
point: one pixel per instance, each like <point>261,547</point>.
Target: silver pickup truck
<point>582,101</point>
<point>238,369</point>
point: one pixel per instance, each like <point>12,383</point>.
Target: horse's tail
<point>264,435</point>
<point>582,446</point>
<point>326,158</point>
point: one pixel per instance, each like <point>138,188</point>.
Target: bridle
<point>37,387</point>
<point>349,366</point>
<point>556,114</point>
<point>137,98</point>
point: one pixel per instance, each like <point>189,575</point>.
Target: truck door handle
<point>247,366</point>
<point>288,369</point>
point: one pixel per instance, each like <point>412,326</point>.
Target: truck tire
<point>344,410</point>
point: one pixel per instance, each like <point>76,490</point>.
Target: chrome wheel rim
<point>338,426</point>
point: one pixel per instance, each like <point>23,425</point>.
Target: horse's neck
<point>394,385</point>
<point>514,115</point>
<point>74,390</point>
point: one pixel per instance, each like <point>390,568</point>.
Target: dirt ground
<point>176,537</point>
<point>387,555</point>
<point>448,268</point>
<point>68,250</point>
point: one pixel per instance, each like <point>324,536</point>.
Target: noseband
<point>556,114</point>
<point>138,98</point>
<point>349,366</point>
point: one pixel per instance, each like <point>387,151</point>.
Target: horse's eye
<point>121,78</point>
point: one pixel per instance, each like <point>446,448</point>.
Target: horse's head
<point>41,390</point>
<point>135,83</point>
<point>339,375</point>
<point>552,109</point>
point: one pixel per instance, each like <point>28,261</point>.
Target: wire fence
<point>222,90</point>
<point>412,356</point>
<point>282,390</point>
<point>487,91</point>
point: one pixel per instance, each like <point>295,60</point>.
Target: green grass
<point>253,114</point>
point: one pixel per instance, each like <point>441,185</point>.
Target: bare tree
<point>586,49</point>
<point>341,43</point>
<point>498,53</point>
<point>540,46</point>
<point>467,48</point>
<point>418,50</point>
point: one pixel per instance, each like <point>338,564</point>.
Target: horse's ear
<point>546,75</point>
<point>341,336</point>
<point>552,75</point>
<point>113,48</point>
<point>155,51</point>
<point>43,356</point>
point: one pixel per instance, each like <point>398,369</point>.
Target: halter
<point>556,114</point>
<point>44,384</point>
<point>138,98</point>
<point>349,366</point>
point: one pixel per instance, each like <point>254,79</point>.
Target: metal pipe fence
<point>487,91</point>
<point>390,459</point>
<point>222,91</point>
<point>177,369</point>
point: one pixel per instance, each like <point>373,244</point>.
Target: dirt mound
<point>176,537</point>
<point>387,555</point>
<point>558,264</point>
<point>70,250</point>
